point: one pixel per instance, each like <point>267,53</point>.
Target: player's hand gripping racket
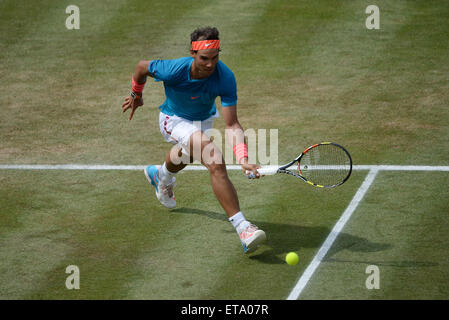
<point>323,165</point>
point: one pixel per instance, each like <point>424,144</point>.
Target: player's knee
<point>213,160</point>
<point>211,155</point>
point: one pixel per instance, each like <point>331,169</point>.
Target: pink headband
<point>205,44</point>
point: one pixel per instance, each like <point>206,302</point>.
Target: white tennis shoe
<point>251,237</point>
<point>164,192</point>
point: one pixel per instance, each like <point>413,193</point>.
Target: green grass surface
<point>307,68</point>
<point>405,235</point>
<point>128,246</point>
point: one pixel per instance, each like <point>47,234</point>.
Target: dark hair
<point>206,33</point>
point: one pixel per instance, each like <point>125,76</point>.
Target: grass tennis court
<point>309,69</point>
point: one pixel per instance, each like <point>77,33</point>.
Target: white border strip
<point>199,167</point>
<point>302,282</point>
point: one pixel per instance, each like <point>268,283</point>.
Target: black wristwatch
<point>135,95</point>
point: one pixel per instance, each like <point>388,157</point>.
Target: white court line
<point>304,279</point>
<point>198,167</point>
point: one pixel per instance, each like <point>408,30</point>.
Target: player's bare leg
<point>175,160</point>
<point>212,159</point>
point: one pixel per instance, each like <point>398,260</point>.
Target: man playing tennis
<point>191,87</point>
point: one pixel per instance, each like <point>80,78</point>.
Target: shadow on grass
<point>209,214</point>
<point>284,238</point>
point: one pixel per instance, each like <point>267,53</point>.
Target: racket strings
<point>325,164</point>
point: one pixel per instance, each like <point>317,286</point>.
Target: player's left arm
<point>139,77</point>
<point>236,137</point>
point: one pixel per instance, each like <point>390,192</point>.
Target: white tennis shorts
<point>178,131</point>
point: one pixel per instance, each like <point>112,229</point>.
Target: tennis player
<point>191,87</point>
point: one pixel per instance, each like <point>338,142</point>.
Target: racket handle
<point>264,171</point>
<point>268,170</point>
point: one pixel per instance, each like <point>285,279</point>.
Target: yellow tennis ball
<point>291,258</point>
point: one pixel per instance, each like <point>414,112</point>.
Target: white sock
<point>164,175</point>
<point>238,221</point>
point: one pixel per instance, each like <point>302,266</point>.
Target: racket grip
<point>264,171</point>
<point>268,170</point>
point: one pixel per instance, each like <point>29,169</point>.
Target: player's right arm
<point>135,100</point>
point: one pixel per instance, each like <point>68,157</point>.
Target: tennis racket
<point>323,165</point>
